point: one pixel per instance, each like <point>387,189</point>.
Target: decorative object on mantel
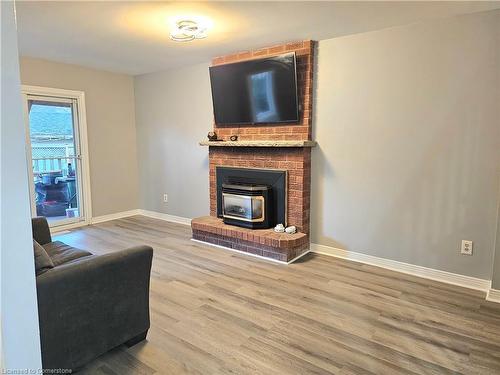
<point>233,138</point>
<point>212,137</point>
<point>280,228</point>
<point>298,143</point>
<point>291,229</point>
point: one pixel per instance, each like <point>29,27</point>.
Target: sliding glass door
<point>56,168</point>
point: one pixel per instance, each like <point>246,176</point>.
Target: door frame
<point>79,97</point>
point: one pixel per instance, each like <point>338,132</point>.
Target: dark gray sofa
<point>89,304</point>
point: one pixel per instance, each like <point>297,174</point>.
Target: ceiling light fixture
<point>188,30</point>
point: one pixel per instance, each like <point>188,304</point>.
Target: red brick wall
<point>297,161</point>
<point>298,131</point>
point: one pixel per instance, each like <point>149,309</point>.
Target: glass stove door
<point>243,207</point>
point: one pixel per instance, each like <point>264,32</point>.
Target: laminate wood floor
<point>214,311</point>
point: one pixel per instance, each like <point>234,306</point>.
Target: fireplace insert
<point>247,205</point>
<point>274,179</point>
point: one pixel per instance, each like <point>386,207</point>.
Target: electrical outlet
<point>165,198</point>
<point>466,247</point>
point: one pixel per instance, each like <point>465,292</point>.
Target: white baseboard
<point>250,254</point>
<point>152,214</point>
<point>115,216</point>
<point>411,269</point>
<point>166,217</point>
<point>493,295</point>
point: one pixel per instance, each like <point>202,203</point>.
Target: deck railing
<point>59,163</point>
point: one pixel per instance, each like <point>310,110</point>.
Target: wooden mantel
<point>291,143</point>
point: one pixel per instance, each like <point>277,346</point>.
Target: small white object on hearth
<point>291,230</point>
<point>280,228</point>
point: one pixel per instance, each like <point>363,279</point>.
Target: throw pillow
<point>43,263</point>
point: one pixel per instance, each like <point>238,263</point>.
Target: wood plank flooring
<point>218,312</point>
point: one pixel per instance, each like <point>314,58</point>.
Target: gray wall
<point>173,113</point>
<point>109,99</point>
<point>407,123</point>
<point>20,339</point>
<point>495,284</point>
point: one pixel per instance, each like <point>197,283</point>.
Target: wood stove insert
<point>248,206</point>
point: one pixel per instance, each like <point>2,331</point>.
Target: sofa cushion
<point>60,253</point>
<point>43,263</point>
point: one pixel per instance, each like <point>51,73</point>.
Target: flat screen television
<point>255,91</point>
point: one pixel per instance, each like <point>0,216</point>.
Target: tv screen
<point>255,91</point>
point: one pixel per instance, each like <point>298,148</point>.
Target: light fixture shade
<point>187,30</point>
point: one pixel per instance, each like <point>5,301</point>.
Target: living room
<point>342,217</point>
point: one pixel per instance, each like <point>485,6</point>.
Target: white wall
<point>109,99</point>
<point>407,120</point>
<point>408,130</point>
<point>174,113</point>
<point>19,311</point>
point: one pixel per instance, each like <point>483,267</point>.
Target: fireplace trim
<point>285,171</point>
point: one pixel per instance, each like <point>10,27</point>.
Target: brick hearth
<point>263,242</point>
<point>296,160</point>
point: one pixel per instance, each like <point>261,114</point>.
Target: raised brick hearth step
<point>263,242</point>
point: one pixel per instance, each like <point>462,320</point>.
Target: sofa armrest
<point>91,305</point>
<point>41,230</point>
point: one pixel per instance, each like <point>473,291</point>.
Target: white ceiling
<point>133,37</point>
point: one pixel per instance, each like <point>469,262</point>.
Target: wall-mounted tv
<point>255,91</point>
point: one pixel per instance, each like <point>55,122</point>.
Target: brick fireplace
<point>285,147</point>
